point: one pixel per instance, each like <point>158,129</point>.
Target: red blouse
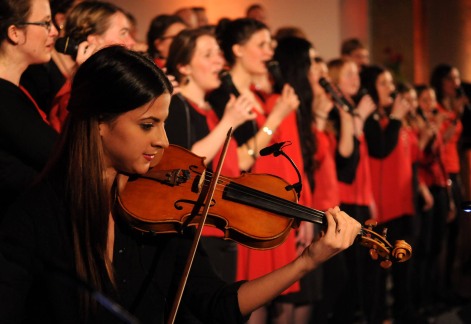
<point>450,154</point>
<point>326,192</point>
<point>391,179</point>
<point>359,192</point>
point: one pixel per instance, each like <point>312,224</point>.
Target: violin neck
<point>255,198</point>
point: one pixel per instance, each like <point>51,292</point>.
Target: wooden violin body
<point>171,196</point>
<point>256,210</point>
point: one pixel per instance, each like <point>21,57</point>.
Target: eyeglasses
<point>46,24</point>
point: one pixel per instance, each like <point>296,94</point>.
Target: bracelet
<point>250,151</point>
<point>267,130</point>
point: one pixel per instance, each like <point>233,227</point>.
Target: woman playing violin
<point>64,230</point>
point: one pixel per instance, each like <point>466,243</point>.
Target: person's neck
<point>194,93</point>
<point>241,78</point>
<point>11,69</point>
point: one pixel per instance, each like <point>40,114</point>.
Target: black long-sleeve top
<point>381,141</point>
<point>38,285</point>
<point>26,142</point>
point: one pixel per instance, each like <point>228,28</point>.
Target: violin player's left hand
<point>340,234</point>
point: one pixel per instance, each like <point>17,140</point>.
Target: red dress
<point>391,178</point>
<point>252,263</point>
<point>450,154</point>
<point>326,191</point>
<point>359,192</point>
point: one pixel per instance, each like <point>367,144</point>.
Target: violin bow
<point>196,240</point>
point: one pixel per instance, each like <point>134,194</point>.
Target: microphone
<point>226,80</point>
<point>393,95</point>
<point>274,149</point>
<point>67,45</point>
<point>420,112</point>
<point>338,98</point>
<point>274,70</point>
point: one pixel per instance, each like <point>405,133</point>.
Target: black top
<point>43,81</point>
<point>26,142</point>
<point>381,142</point>
<point>37,282</point>
<point>184,125</point>
<point>218,100</point>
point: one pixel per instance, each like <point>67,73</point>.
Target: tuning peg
<point>385,264</point>
<point>374,253</point>
<point>370,223</point>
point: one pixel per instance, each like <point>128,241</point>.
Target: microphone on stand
<point>339,99</point>
<point>276,150</point>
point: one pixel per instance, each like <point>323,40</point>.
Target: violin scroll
<point>380,247</point>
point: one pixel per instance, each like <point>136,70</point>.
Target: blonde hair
<point>89,17</point>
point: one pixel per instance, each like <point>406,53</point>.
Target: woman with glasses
<point>26,140</point>
<point>162,31</point>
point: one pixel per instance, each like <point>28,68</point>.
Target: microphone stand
<point>298,185</point>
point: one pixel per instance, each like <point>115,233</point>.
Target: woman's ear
<point>59,19</point>
<point>237,50</point>
<point>94,39</point>
<point>14,35</point>
<point>184,70</point>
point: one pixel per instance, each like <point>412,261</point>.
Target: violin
<point>255,210</point>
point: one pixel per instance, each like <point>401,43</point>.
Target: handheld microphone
<point>393,95</point>
<point>67,45</point>
<point>226,80</point>
<point>275,72</point>
<point>274,149</point>
<point>338,98</point>
<point>420,112</point>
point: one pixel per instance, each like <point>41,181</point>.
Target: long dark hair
<point>112,81</point>
<point>439,73</point>
<point>368,76</point>
<point>292,54</point>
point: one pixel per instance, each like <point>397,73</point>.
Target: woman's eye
<point>147,126</point>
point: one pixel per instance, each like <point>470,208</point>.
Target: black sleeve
<point>177,123</point>
<point>25,135</point>
<point>381,142</point>
<point>347,166</point>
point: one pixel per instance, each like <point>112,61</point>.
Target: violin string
<point>265,197</point>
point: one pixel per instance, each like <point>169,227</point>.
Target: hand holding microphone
<point>339,100</point>
<point>80,51</point>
